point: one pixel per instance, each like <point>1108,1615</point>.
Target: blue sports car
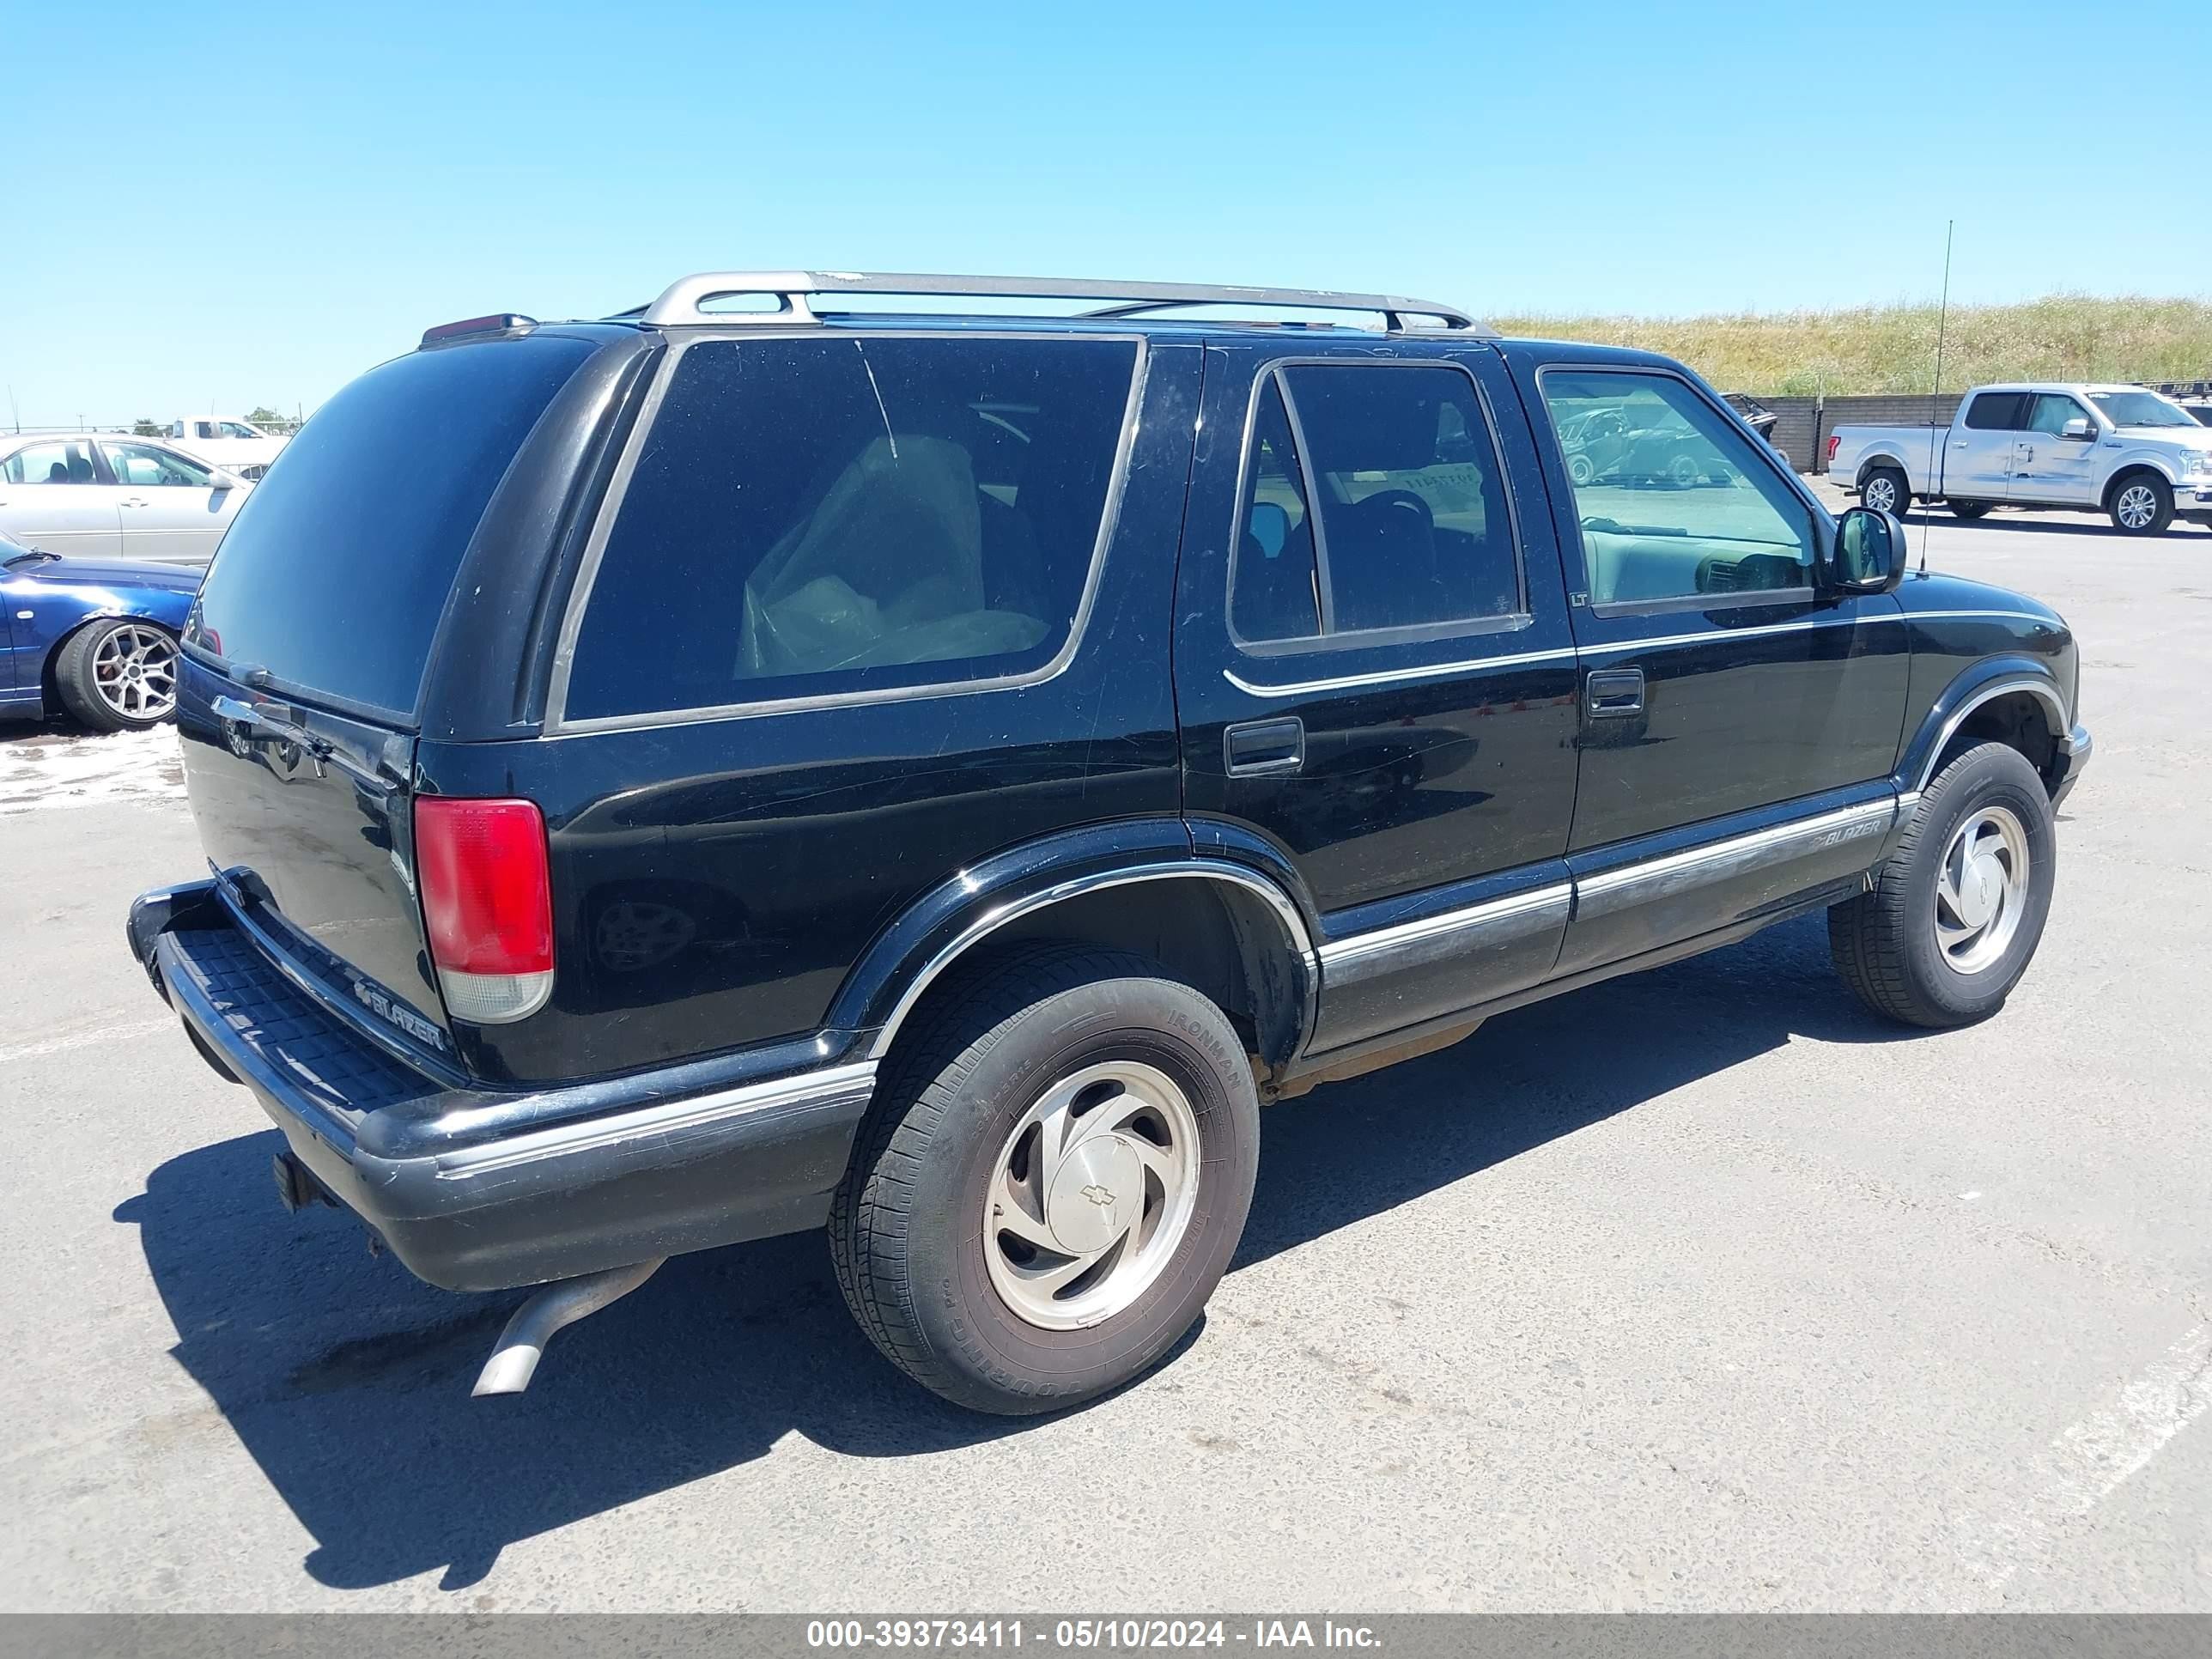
<point>100,635</point>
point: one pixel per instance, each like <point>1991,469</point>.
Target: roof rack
<point>684,301</point>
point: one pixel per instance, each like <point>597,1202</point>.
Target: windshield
<point>2139,409</point>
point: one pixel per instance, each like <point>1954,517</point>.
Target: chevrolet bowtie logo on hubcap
<point>1101,1196</point>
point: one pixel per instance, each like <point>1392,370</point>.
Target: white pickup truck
<point>2117,449</point>
<point>225,440</point>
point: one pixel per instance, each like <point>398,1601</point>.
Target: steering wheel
<point>1399,501</point>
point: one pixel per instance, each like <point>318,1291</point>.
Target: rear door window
<point>1998,412</point>
<point>53,463</point>
<point>336,572</point>
<point>845,516</point>
<point>1374,500</point>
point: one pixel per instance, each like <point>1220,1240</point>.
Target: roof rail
<point>684,301</point>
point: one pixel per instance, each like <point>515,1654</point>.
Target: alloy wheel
<point>134,670</point>
<point>1881,494</point>
<point>2137,507</point>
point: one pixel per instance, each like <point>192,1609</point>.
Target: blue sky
<point>230,205</point>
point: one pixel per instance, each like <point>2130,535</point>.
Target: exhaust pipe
<point>515,1356</point>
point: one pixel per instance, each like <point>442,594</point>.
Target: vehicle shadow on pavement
<point>347,1380</point>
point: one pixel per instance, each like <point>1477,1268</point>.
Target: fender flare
<point>927,939</point>
<point>1983,682</point>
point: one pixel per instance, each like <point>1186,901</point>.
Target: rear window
<point>840,516</point>
<point>337,568</point>
<point>1998,412</point>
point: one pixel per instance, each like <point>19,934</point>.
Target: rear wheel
<point>1957,911</point>
<point>1969,510</point>
<point>2141,504</point>
<point>1886,491</point>
<point>119,674</point>
<point>1052,1180</point>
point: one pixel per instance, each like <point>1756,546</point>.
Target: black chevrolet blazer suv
<point>784,758</point>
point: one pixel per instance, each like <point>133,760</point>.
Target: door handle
<point>1262,746</point>
<point>135,500</point>
<point>1613,692</point>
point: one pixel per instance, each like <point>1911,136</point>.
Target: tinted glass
<point>1413,524</point>
<point>1676,499</point>
<point>1273,592</point>
<point>143,464</point>
<point>335,570</point>
<point>58,463</point>
<point>811,517</point>
<point>1998,412</point>
<point>2050,414</point>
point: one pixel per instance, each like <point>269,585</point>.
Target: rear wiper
<point>35,556</point>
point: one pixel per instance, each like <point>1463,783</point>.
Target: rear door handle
<point>1613,692</point>
<point>1262,746</point>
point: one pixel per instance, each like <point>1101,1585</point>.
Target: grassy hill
<point>2068,336</point>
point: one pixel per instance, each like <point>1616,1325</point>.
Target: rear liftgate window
<point>337,569</point>
<point>832,516</point>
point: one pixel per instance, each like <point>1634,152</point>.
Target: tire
<point>1886,490</point>
<point>2141,504</point>
<point>1889,945</point>
<point>1580,469</point>
<point>1970,511</point>
<point>955,1303</point>
<point>119,674</point>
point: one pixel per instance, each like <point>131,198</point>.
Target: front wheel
<point>1969,510</point>
<point>1051,1182</point>
<point>119,674</point>
<point>1886,491</point>
<point>1957,910</point>
<point>2143,505</point>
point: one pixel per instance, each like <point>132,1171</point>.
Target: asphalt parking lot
<point>1696,1291</point>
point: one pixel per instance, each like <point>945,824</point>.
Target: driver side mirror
<point>1869,551</point>
<point>219,479</point>
<point>2078,429</point>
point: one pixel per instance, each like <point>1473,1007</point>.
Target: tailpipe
<point>515,1356</point>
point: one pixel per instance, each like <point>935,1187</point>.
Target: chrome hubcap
<point>1091,1194</point>
<point>1981,891</point>
<point>2137,507</point>
<point>1881,494</point>
<point>134,669</point>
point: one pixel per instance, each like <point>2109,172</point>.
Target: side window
<point>237,429</point>
<point>59,463</point>
<point>1273,587</point>
<point>142,464</point>
<point>1676,501</point>
<point>1407,527</point>
<point>811,517</point>
<point>1998,412</point>
<point>2052,413</point>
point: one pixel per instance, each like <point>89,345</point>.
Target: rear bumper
<point>478,1190</point>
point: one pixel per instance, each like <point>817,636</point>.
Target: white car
<point>227,441</point>
<point>2119,449</point>
<point>98,496</point>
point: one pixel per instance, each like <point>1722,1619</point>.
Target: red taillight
<point>487,903</point>
<point>1834,438</point>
